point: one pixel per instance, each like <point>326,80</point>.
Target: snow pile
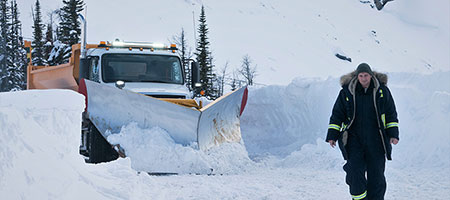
<point>280,119</point>
<point>315,156</point>
<point>39,139</point>
<point>202,100</point>
<point>298,114</point>
<point>423,103</point>
<point>39,136</point>
<point>153,150</point>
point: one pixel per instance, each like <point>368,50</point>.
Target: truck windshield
<point>141,68</point>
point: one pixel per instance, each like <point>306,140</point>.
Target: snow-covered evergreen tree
<point>48,41</point>
<point>37,43</point>
<point>17,60</point>
<point>68,31</point>
<point>204,58</point>
<point>5,15</point>
<point>59,54</point>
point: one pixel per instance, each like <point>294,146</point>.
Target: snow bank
<point>298,114</point>
<point>153,150</point>
<point>39,137</point>
<point>280,119</point>
<point>423,103</point>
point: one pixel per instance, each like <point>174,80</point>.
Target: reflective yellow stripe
<point>392,124</point>
<point>334,126</point>
<point>383,118</point>
<point>361,196</point>
<point>343,126</point>
<point>381,93</point>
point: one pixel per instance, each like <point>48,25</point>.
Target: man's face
<point>364,78</point>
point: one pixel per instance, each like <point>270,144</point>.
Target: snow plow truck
<point>143,83</point>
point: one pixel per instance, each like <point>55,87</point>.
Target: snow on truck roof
<point>118,46</point>
<point>100,51</point>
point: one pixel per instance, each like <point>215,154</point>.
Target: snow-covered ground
<point>290,160</point>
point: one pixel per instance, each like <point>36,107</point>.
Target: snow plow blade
<point>110,108</point>
<point>220,120</point>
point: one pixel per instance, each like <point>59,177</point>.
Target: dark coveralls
<point>362,122</point>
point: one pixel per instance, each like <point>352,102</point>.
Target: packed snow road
<point>284,157</point>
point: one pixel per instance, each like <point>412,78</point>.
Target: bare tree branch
<point>221,78</point>
<point>185,54</point>
<point>246,70</point>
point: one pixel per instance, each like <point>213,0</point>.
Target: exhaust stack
<point>83,36</point>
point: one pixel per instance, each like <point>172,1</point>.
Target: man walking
<point>364,123</point>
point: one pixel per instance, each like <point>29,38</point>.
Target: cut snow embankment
<point>298,114</point>
<point>39,136</point>
<point>39,139</point>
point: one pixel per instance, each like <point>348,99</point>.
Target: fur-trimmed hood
<point>351,80</point>
<point>347,78</point>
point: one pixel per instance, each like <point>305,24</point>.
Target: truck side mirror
<point>195,82</point>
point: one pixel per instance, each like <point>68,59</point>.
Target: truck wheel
<point>99,149</point>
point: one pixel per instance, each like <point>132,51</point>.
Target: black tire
<point>99,149</point>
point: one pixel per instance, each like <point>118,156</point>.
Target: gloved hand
<point>332,143</point>
<point>393,141</point>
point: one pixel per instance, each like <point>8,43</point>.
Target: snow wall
<point>298,114</point>
<point>39,136</point>
<point>39,140</point>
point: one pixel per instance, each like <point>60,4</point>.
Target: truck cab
<point>149,71</point>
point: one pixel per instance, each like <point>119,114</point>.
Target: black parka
<point>343,114</point>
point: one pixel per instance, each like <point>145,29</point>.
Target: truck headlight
<point>120,84</point>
